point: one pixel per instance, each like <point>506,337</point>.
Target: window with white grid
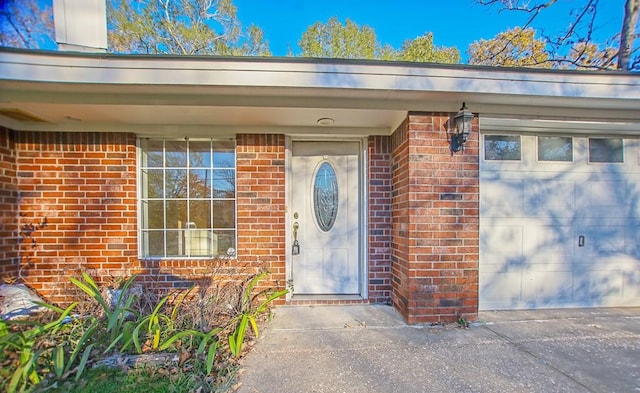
<point>187,198</point>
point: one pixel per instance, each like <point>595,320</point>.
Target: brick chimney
<point>81,25</point>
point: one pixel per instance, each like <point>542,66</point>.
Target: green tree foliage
<point>513,48</point>
<point>341,41</point>
<point>184,27</point>
<point>587,55</point>
<point>334,39</point>
<point>424,50</point>
<point>25,24</point>
<point>575,45</point>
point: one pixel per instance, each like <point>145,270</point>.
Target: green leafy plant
<point>62,364</point>
<point>119,323</point>
<point>57,354</point>
<point>157,325</point>
<point>19,344</point>
<point>248,312</point>
<point>153,332</point>
<point>162,334</point>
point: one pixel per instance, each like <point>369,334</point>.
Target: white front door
<point>325,218</point>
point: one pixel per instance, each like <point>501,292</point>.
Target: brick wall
<point>81,187</point>
<point>79,190</point>
<point>261,196</point>
<point>379,219</point>
<point>260,226</point>
<point>435,221</point>
<point>8,207</point>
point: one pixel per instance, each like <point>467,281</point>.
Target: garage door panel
<point>504,241</point>
<point>560,234</point>
<point>602,212</point>
<point>555,240</point>
<point>606,193</point>
<point>547,288</point>
<point>597,287</point>
<point>550,198</point>
<point>631,286</point>
<point>632,240</point>
<point>503,198</point>
<point>633,190</point>
<point>547,262</point>
<point>600,241</point>
<point>514,242</point>
<point>501,290</point>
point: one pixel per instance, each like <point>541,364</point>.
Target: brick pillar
<point>400,219</point>
<point>435,221</point>
<point>261,204</point>
<point>379,219</point>
<point>9,200</point>
<point>82,187</point>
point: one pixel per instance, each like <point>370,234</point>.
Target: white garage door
<point>559,221</point>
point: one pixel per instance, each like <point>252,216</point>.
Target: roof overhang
<point>204,96</point>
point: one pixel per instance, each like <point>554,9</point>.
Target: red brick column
<point>260,192</point>
<point>379,219</point>
<point>79,189</point>
<point>435,221</point>
<point>400,219</point>
<point>9,208</point>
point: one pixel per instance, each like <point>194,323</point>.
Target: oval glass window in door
<point>325,196</point>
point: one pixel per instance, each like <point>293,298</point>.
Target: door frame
<point>363,208</point>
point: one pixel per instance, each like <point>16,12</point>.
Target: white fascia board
<point>282,73</point>
<point>558,126</point>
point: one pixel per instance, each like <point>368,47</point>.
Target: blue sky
<point>453,22</point>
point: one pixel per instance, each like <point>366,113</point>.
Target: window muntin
<point>187,198</point>
<point>502,147</point>
<point>606,150</point>
<point>555,148</point>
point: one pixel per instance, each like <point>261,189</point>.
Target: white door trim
<point>363,218</point>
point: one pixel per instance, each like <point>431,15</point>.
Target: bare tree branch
<point>574,47</point>
<point>629,22</point>
<point>167,18</point>
<point>25,24</point>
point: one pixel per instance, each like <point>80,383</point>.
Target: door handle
<point>581,241</point>
<point>295,248</point>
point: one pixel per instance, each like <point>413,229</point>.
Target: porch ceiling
<point>217,96</point>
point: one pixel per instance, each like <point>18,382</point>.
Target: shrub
<point>54,351</point>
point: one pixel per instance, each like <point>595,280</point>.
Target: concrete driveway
<point>370,349</point>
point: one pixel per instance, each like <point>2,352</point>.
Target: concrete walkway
<point>370,349</point>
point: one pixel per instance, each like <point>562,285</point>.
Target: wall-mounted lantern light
<point>464,119</point>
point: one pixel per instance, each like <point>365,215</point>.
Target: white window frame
<point>143,251</point>
<point>484,151</point>
<point>589,139</point>
<point>573,150</point>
